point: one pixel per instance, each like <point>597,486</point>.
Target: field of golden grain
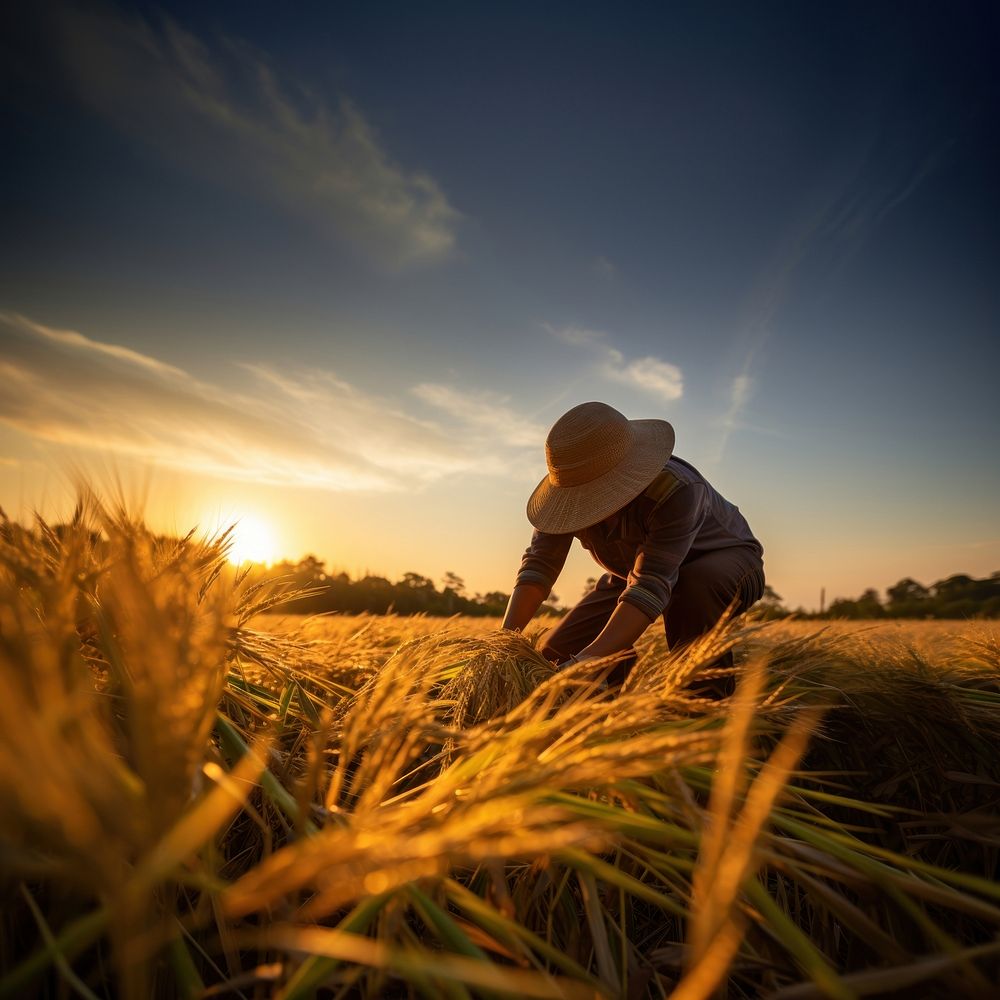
<point>200,799</point>
<point>931,638</point>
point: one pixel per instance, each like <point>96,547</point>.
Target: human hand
<point>583,658</point>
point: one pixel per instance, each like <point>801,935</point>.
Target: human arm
<point>541,565</point>
<point>672,529</point>
<point>525,600</point>
<point>624,627</point>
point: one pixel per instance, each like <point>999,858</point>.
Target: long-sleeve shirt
<point>679,517</point>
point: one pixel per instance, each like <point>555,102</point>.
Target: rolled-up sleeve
<point>544,559</point>
<point>673,527</point>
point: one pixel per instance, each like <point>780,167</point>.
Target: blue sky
<point>340,270</point>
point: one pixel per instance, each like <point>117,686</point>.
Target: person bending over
<point>669,543</point>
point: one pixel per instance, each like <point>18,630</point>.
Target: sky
<point>335,270</point>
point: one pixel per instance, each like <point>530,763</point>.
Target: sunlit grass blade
<point>405,964</point>
<point>317,969</point>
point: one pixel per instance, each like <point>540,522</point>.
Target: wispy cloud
<point>487,412</point>
<point>223,111</point>
<point>659,378</point>
<point>739,395</point>
<point>574,336</point>
<point>740,391</point>
<point>307,429</point>
<point>649,374</point>
<point>862,190</point>
<point>880,184</point>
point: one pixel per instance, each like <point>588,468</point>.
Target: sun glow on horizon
<point>253,540</point>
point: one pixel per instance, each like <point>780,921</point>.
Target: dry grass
<point>197,801</point>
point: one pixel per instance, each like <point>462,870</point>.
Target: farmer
<point>671,545</point>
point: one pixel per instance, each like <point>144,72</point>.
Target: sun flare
<point>253,541</point>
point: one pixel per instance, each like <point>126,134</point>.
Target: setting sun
<point>253,541</point>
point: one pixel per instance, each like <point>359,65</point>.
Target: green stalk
<point>812,961</point>
<point>186,975</point>
<point>80,934</point>
<point>313,972</point>
<point>598,931</point>
<point>580,860</point>
<point>865,858</point>
<point>513,931</point>
<point>442,924</point>
<point>235,748</point>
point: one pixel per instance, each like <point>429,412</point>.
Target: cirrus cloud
<point>487,411</point>
<point>659,378</point>
<point>221,110</point>
<point>282,427</point>
<point>649,374</point>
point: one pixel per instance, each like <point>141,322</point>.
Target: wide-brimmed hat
<point>598,461</point>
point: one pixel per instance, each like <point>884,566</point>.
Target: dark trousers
<point>705,588</point>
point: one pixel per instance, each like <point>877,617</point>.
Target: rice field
<point>933,638</point>
<point>201,799</point>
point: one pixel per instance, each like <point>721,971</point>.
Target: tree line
<point>322,591</point>
<point>312,589</point>
<point>958,596</point>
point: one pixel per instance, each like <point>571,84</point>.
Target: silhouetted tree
<point>907,599</point>
<point>492,603</point>
<point>956,596</point>
<point>869,605</point>
<point>770,605</point>
<point>454,590</point>
<point>843,607</point>
<point>551,604</point>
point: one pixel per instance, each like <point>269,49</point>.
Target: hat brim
<point>565,509</point>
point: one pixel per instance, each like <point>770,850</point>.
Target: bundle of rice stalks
<point>491,677</point>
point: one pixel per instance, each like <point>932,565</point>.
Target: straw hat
<point>598,461</point>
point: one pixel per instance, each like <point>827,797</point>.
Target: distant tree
<point>454,591</point>
<point>310,572</point>
<point>373,593</point>
<point>843,607</point>
<point>551,605</point>
<point>908,599</point>
<point>492,603</point>
<point>954,587</point>
<point>770,605</point>
<point>957,596</point>
<point>961,596</point>
<point>416,593</point>
<point>907,590</point>
<point>589,585</point>
<point>869,605</point>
